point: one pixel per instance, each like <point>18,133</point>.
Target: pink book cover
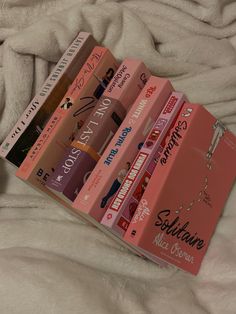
<point>180,208</point>
<point>33,120</point>
<point>93,138</point>
<point>123,205</point>
<point>112,167</point>
<point>69,116</point>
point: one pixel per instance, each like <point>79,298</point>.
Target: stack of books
<point>127,153</point>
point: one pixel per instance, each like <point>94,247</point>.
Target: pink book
<point>125,202</point>
<point>73,110</point>
<point>105,180</point>
<point>33,120</point>
<point>98,130</point>
<point>179,210</point>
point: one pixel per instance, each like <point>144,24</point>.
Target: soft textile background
<point>50,262</point>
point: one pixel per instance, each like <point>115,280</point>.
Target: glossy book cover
<point>180,208</point>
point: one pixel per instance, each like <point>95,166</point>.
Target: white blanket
<point>50,262</point>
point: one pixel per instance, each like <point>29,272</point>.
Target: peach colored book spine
<point>70,107</point>
<point>97,192</point>
<point>147,206</point>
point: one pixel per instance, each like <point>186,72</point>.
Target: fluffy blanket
<point>50,262</point>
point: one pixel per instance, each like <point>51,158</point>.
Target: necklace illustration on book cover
<point>219,131</point>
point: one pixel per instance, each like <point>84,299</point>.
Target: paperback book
<point>126,153</point>
<point>96,133</point>
<point>178,212</point>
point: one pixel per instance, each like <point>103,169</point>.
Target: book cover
<point>125,202</point>
<point>179,210</point>
<point>105,180</point>
<point>71,113</point>
<point>33,120</point>
<point>98,130</point>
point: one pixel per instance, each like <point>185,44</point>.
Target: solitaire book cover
<point>180,208</point>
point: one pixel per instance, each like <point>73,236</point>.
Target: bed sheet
<point>50,261</point>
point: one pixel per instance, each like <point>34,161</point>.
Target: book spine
<point>112,167</point>
<point>92,139</point>
<point>81,157</point>
<point>122,207</point>
<point>137,232</point>
<point>53,89</point>
<point>71,106</point>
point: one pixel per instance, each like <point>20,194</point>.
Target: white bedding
<point>50,262</point>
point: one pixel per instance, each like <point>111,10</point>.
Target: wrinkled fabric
<point>50,261</point>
